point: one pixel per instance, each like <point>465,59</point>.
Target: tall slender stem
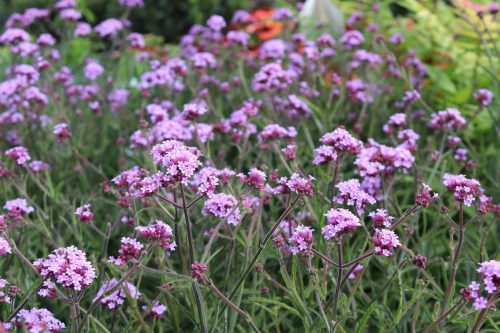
<point>339,278</point>
<point>454,263</point>
<point>192,258</point>
<point>319,301</point>
<point>432,326</point>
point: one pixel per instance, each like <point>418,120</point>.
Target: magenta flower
<point>460,154</point>
<point>158,232</point>
<point>490,271</point>
<point>216,23</point>
<point>300,185</point>
<point>129,250</point>
<point>324,155</point>
<point>4,293</point>
<point>352,39</point>
<point>356,272</point>
<point>93,70</point>
<point>36,321</point>
<point>109,27</point>
<point>342,141</point>
<point>19,154</point>
<point>425,197</point>
<point>385,240</point>
<point>38,166</point>
<point>115,299</point>
<point>351,193</point>
<point>381,219</point>
<point>197,270</point>
<point>220,205</point>
<point>67,266</point>
<point>483,97</point>
<point>301,240</point>
<point>62,132</point>
<point>4,246</point>
<point>339,221</point>
<point>157,310</point>
<point>255,178</point>
<point>464,190</point>
<point>192,111</point>
<point>84,214</point>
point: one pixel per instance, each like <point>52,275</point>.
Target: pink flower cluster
<point>351,193</point>
<point>4,297</point>
<point>158,232</point>
<point>84,214</point>
<point>197,270</point>
<point>339,221</point>
<point>425,196</point>
<point>4,246</point>
<point>301,240</point>
<point>447,120</point>
<point>156,310</point>
<point>19,154</point>
<point>68,267</point>
<point>130,249</point>
<point>179,161</point>
<point>115,299</point>
<point>255,178</point>
<point>381,219</point>
<point>342,141</point>
<point>37,321</point>
<point>221,205</point>
<point>385,240</point>
<point>490,271</point>
<point>464,190</point>
<point>18,208</point>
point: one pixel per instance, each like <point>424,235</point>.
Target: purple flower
<point>448,120</point>
<point>342,141</point>
<point>216,23</point>
<point>4,246</point>
<point>381,219</point>
<point>130,249</point>
<point>159,232</point>
<point>67,266</point>
<point>385,240</point>
<point>352,39</point>
<point>109,27</point>
<point>425,197</point>
<point>36,321</point>
<point>179,161</point>
<point>272,76</point>
<point>14,36</point>
<point>157,310</point>
<point>464,190</point>
<point>84,214</point>
<point>70,14</point>
<point>82,29</point>
<point>339,221</point>
<point>490,270</point>
<point>351,193</point>
<point>198,270</point>
<point>131,3</point>
<point>19,154</point>
<point>396,39</point>
<point>282,14</point>
<point>18,207</point>
<point>192,111</point>
<point>255,178</point>
<point>301,240</point>
<point>275,131</point>
<point>115,299</point>
<point>272,49</point>
<point>221,205</point>
<point>483,97</point>
<point>203,60</point>
<point>324,155</point>
<point>93,70</point>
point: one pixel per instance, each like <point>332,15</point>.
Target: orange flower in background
<point>264,27</point>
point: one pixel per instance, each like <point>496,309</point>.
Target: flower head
<point>385,240</point>
<point>301,240</point>
<point>351,193</point>
<point>425,197</point>
<point>179,161</point>
<point>18,207</point>
<point>19,154</point>
<point>464,190</point>
<point>342,141</point>
<point>4,246</point>
<point>380,218</point>
<point>197,270</point>
<point>158,232</point>
<point>115,299</point>
<point>37,321</point>
<point>221,205</point>
<point>67,266</point>
<point>84,214</point>
<point>129,250</point>
<point>255,178</point>
<point>339,221</point>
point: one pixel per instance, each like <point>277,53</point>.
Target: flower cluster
<point>381,219</point>
<point>130,249</point>
<point>116,298</point>
<point>339,221</point>
<point>224,206</point>
<point>342,141</point>
<point>351,193</point>
<point>36,321</point>
<point>179,161</point>
<point>490,271</point>
<point>464,190</point>
<point>159,232</point>
<point>385,240</point>
<point>301,240</point>
<point>84,214</point>
<point>4,246</point>
<point>68,267</point>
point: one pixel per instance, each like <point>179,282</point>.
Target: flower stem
<point>432,326</point>
<point>339,279</point>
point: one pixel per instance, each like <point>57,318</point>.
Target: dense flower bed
<point>268,180</point>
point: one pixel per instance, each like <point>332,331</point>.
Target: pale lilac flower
<point>115,299</point>
<point>146,186</point>
<point>70,14</point>
<point>68,267</point>
<point>221,205</point>
<point>448,120</point>
<point>4,296</point>
<point>109,27</point>
<point>381,219</point>
<point>282,14</point>
<point>136,40</point>
<point>275,131</point>
<point>204,60</point>
<point>301,240</point>
<point>216,23</point>
<point>483,97</point>
<point>352,39</point>
<point>62,132</point>
<point>157,309</point>
<point>324,155</point>
<point>339,221</point>
<point>342,141</point>
<point>159,232</point>
<point>131,3</point>
<point>351,193</point>
<point>461,154</point>
<point>396,39</point>
<point>255,178</point>
<point>179,160</point>
<point>14,36</point>
<point>130,249</point>
<point>490,270</point>
<point>82,29</point>
<point>272,49</point>
<point>205,181</point>
<point>84,214</point>
<point>19,154</point>
<point>18,207</point>
<point>238,38</point>
<point>93,70</point>
<point>4,246</point>
<point>36,321</point>
<point>397,120</point>
<point>192,111</point>
<point>385,240</point>
<point>63,4</point>
<point>375,159</point>
<point>300,185</point>
<point>464,190</point>
<point>358,91</point>
<point>45,39</point>
<point>272,76</point>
